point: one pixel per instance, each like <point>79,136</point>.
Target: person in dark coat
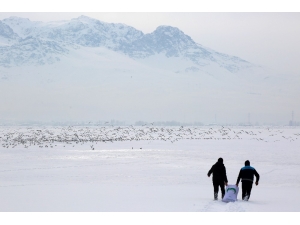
<point>219,177</point>
<point>247,174</point>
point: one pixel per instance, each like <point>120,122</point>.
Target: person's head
<point>220,160</point>
<point>247,163</point>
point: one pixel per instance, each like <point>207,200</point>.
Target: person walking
<point>219,177</point>
<point>247,174</point>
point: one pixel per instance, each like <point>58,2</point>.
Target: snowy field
<point>144,169</point>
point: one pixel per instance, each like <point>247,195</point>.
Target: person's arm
<point>210,171</point>
<point>239,178</point>
<point>256,176</point>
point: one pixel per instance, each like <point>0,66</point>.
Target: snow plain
<point>144,169</point>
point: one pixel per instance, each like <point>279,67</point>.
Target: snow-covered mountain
<point>88,69</point>
<point>25,42</point>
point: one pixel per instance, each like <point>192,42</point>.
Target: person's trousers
<point>216,187</point>
<point>246,188</point>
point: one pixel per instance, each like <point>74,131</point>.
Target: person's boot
<point>246,198</point>
<point>215,196</point>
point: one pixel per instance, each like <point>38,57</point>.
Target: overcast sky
<point>252,32</point>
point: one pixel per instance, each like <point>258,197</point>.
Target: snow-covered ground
<point>144,169</point>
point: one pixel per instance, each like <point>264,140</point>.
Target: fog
<point>76,96</point>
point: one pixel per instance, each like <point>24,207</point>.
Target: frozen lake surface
<point>144,169</point>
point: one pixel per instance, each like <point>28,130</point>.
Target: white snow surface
<point>144,169</point>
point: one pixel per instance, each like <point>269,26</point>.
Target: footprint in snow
<point>219,206</point>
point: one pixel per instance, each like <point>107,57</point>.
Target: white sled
<point>231,193</point>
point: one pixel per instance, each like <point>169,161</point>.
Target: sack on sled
<point>231,193</point>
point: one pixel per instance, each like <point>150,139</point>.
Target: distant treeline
<point>137,123</point>
<point>294,123</point>
<point>168,123</point>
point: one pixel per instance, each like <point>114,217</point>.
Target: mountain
<point>37,43</point>
<point>86,69</point>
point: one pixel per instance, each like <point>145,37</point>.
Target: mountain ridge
<point>50,40</point>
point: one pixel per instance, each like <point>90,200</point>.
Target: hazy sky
<point>252,32</point>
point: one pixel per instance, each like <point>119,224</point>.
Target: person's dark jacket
<point>219,173</point>
<point>247,173</point>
